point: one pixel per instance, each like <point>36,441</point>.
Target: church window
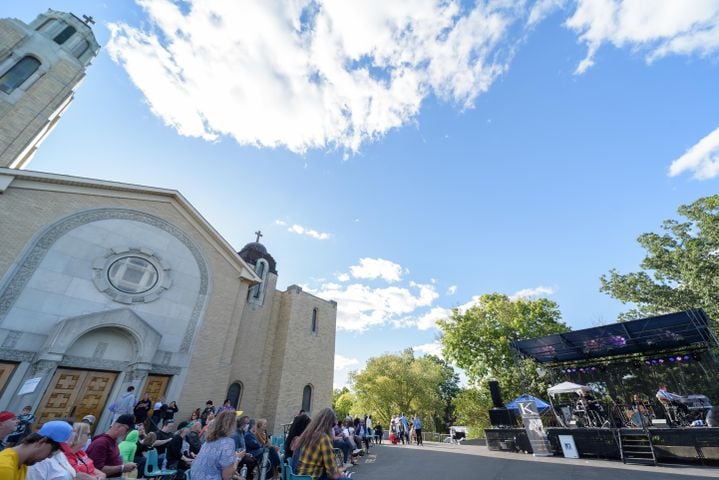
<point>257,292</point>
<point>77,46</point>
<point>66,33</point>
<point>314,321</point>
<point>132,275</point>
<point>307,398</point>
<point>51,27</point>
<point>234,394</point>
<point>18,73</point>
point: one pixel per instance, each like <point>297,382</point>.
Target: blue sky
<point>404,158</point>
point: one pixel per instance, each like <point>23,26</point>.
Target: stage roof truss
<point>688,330</point>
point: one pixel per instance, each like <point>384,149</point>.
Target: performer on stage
<point>669,399</point>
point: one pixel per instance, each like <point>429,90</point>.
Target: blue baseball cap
<point>56,430</point>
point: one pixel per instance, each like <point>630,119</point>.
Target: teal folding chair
<point>287,473</point>
<point>152,470</point>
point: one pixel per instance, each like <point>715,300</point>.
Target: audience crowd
<point>213,443</point>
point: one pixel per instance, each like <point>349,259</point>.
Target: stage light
<point>581,370</point>
<point>647,362</point>
<point>671,359</point>
<point>594,368</point>
<point>679,359</point>
<point>686,357</point>
<point>654,361</point>
<point>661,360</point>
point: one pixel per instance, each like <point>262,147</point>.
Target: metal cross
<point>259,234</point>
<point>88,19</point>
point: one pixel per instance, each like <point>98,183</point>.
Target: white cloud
<point>360,307</point>
<point>531,293</point>
<point>452,290</point>
<point>343,277</point>
<point>308,232</point>
<point>372,268</point>
<point>342,362</point>
<point>281,223</point>
<point>429,319</point>
<point>434,348</point>
<point>656,28</point>
<point>702,159</point>
<point>308,74</point>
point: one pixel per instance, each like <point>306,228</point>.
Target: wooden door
<point>156,386</point>
<point>6,370</point>
<point>75,393</point>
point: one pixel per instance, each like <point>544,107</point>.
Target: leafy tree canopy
<point>681,267</point>
<point>478,341</point>
<point>395,383</point>
<point>342,401</point>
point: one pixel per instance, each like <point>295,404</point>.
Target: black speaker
<point>501,417</point>
<point>496,394</point>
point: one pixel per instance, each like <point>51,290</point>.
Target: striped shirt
<point>317,459</point>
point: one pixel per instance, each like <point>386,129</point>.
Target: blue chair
<point>287,473</point>
<point>152,470</point>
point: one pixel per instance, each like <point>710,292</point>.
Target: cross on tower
<point>88,19</point>
<point>259,234</point>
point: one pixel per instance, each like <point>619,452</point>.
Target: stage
<point>679,445</point>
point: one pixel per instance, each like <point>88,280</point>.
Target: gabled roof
<point>13,178</point>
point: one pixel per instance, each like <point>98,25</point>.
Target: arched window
<point>66,33</point>
<point>257,292</point>
<point>307,398</point>
<point>18,73</point>
<point>314,321</point>
<point>234,394</point>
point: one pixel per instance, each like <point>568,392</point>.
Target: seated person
<point>176,458</point>
<point>257,449</point>
<point>668,398</point>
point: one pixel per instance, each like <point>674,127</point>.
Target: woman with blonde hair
<point>314,455</point>
<point>217,459</point>
<point>256,441</point>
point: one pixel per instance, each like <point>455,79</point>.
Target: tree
<point>478,341</point>
<point>342,401</point>
<point>681,267</point>
<point>395,383</point>
<point>448,391</point>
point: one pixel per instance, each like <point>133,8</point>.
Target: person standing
<point>24,421</point>
<point>405,427</point>
<point>418,429</point>
<point>209,409</point>
<point>143,406</point>
<point>125,405</point>
<point>378,432</point>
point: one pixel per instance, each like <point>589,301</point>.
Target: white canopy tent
<point>566,387</point>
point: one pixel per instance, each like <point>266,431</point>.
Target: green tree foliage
<point>342,401</point>
<point>448,391</point>
<point>394,383</point>
<point>681,267</point>
<point>478,341</point>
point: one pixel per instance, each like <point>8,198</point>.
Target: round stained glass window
<point>132,275</point>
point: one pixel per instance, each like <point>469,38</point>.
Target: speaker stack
<point>499,416</point>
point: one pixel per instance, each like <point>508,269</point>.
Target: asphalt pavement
<point>436,461</point>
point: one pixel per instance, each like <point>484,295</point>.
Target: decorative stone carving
<point>34,254</point>
<point>93,363</point>
<point>11,339</point>
<point>16,355</point>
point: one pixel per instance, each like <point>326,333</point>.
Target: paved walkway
<point>436,461</point>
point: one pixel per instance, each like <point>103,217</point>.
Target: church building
<point>104,285</point>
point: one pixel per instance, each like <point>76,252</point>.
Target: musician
<point>587,400</point>
<point>668,398</point>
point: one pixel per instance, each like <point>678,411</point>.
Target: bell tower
<point>41,66</point>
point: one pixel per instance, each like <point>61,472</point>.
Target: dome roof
<point>254,251</point>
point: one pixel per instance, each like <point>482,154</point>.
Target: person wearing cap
<point>8,423</point>
<point>104,452</point>
<point>34,448</point>
<point>176,458</point>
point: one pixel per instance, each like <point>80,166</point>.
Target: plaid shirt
<point>317,459</point>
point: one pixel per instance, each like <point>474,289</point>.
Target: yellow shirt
<point>8,466</point>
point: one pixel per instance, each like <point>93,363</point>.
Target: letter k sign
<point>527,408</point>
